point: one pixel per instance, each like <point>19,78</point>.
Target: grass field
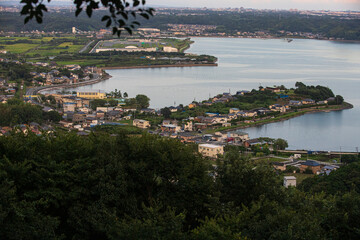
<point>66,47</point>
<point>41,46</point>
<point>19,47</point>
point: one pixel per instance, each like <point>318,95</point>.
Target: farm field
<point>42,46</point>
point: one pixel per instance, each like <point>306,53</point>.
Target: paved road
<point>86,47</point>
<point>35,90</point>
<point>93,50</point>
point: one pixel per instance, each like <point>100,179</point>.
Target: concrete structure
<point>126,49</point>
<point>289,181</point>
<point>91,95</point>
<point>170,49</point>
<point>141,123</point>
<point>211,150</point>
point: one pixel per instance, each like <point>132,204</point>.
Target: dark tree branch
<point>122,13</point>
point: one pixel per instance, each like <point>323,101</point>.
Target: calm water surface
<point>248,63</point>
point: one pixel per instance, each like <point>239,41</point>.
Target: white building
<point>289,181</point>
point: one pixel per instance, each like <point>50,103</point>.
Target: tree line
<point>119,186</point>
<point>16,112</point>
<point>228,22</point>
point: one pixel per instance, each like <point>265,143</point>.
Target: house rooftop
<point>290,178</point>
<point>210,145</point>
<point>311,163</point>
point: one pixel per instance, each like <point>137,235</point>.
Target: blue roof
<point>311,163</point>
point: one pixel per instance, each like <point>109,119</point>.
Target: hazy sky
<point>353,5</point>
<point>264,4</point>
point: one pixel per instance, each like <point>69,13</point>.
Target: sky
<point>353,5</point>
<point>333,5</point>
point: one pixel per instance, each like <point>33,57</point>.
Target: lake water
<point>248,63</point>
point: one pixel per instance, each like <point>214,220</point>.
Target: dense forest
<point>16,112</point>
<point>63,186</point>
<point>228,22</point>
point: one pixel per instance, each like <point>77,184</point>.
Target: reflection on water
<point>248,63</point>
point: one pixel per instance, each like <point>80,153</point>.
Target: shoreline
<point>344,106</point>
<point>36,90</point>
<point>269,38</point>
<point>162,66</point>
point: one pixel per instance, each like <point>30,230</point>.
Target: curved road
<point>35,90</point>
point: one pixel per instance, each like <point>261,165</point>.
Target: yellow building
<point>141,123</point>
<point>91,95</point>
<point>211,150</point>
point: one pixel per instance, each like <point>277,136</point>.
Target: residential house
<point>114,115</point>
<point>69,107</point>
<point>308,101</point>
<point>278,108</point>
<point>232,116</point>
<point>242,92</point>
<point>235,136</point>
<point>141,123</point>
<point>314,166</point>
<point>188,126</point>
<point>104,109</point>
<point>100,114</point>
<point>262,111</point>
<point>247,113</point>
<point>322,102</point>
<point>252,142</point>
<point>68,116</point>
<point>207,103</point>
<point>10,90</point>
<point>328,169</point>
<point>226,124</point>
<point>295,103</point>
<point>219,119</point>
<point>79,117</point>
<point>187,137</point>
<point>85,110</point>
<point>273,89</point>
<point>211,114</point>
<point>233,110</point>
<point>170,128</point>
<point>211,150</point>
<point>173,109</point>
<point>200,126</point>
<point>192,105</point>
<point>148,110</point>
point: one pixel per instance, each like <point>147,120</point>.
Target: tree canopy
<point>123,186</point>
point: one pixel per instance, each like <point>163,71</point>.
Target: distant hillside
<point>227,22</point>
